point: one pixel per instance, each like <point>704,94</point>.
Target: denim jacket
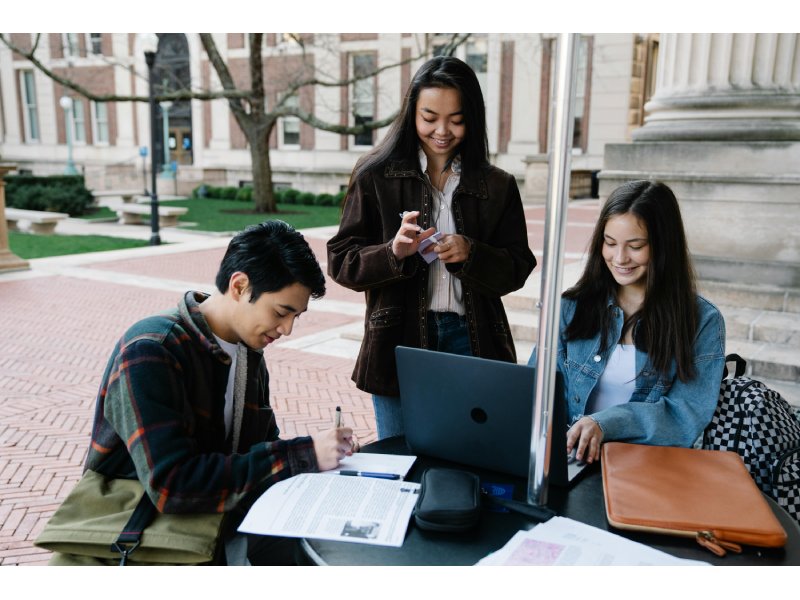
<point>663,411</point>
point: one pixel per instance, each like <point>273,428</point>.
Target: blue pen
<point>370,474</point>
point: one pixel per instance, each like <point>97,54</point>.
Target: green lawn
<point>204,215</point>
<point>30,245</point>
<point>230,215</point>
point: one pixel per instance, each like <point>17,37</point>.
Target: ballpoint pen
<point>337,419</point>
<point>370,474</point>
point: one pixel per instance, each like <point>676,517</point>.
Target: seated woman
<point>641,352</point>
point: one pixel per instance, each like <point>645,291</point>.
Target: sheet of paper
<point>332,507</point>
<point>562,541</point>
<point>398,464</point>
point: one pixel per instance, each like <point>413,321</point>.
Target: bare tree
<point>248,100</point>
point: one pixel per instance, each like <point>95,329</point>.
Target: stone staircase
<point>762,325</point>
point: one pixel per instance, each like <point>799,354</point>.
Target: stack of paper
<point>562,541</point>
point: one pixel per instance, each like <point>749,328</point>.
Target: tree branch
<point>86,93</point>
<point>334,127</point>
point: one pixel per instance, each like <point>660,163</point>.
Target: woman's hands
<point>451,248</point>
<point>407,239</point>
<point>332,445</point>
<point>586,436</point>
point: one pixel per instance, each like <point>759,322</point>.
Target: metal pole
<point>155,238</point>
<point>552,269</point>
<point>166,169</point>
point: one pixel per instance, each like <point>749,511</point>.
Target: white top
<point>231,350</point>
<point>617,382</point>
<point>444,290</point>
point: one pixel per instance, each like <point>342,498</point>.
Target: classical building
<point>206,145</point>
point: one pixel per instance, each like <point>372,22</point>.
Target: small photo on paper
<point>367,530</point>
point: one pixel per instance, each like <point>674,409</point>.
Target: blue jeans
<point>447,332</point>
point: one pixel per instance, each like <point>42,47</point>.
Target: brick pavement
<point>59,322</point>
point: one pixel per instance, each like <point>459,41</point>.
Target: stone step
<point>767,360</point>
<point>757,325</point>
<point>762,297</point>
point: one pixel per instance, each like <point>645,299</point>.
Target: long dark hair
<point>401,141</point>
<point>668,319</point>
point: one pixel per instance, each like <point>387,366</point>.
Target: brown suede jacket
<point>487,210</point>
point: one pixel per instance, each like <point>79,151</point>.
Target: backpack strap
<point>741,365</point>
<point>131,535</point>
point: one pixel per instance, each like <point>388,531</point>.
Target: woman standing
<point>641,353</point>
<point>431,174</point>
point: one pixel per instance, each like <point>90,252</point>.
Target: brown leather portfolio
<point>706,494</point>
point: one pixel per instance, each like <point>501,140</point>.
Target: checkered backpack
<point>761,426</point>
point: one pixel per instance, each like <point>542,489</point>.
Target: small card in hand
<point>429,256</point>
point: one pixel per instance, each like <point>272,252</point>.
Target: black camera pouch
<point>449,500</point>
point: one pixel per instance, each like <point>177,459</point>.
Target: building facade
<point>205,144</point>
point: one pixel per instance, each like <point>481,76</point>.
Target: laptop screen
<point>473,411</point>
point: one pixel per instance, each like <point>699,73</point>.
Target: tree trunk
<point>263,196</point>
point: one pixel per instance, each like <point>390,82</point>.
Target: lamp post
<point>66,104</point>
<point>149,42</point>
<point>166,170</point>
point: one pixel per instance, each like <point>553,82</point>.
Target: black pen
<point>370,474</point>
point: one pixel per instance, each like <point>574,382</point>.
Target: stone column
<point>725,86</point>
<point>723,130</point>
<point>8,260</point>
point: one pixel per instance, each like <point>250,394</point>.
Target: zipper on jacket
<point>708,541</point>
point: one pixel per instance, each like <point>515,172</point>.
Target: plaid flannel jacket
<point>159,418</point>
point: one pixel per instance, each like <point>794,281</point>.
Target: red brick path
<point>56,331</point>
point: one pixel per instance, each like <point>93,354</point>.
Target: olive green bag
<point>112,521</point>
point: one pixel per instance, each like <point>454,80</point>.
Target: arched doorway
<point>171,72</point>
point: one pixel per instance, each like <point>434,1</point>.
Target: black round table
<point>582,502</point>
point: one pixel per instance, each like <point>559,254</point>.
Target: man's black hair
<point>273,255</point>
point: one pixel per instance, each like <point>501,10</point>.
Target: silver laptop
<point>477,412</point>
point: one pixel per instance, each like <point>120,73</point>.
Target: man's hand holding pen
<point>333,445</point>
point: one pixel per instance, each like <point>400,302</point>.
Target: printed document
<point>562,541</point>
<point>329,506</point>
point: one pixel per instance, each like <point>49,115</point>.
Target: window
<point>290,126</point>
<point>30,116</point>
<point>477,58</point>
<point>583,91</point>
<point>78,122</point>
<point>69,41</point>
<point>580,108</point>
<point>96,43</point>
<point>363,101</point>
<point>101,123</point>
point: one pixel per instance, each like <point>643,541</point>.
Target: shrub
<point>324,200</point>
<point>229,192</point>
<point>306,198</point>
<point>338,198</point>
<point>290,196</point>
<point>57,193</point>
<point>244,194</point>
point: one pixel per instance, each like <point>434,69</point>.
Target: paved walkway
<point>59,321</point>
